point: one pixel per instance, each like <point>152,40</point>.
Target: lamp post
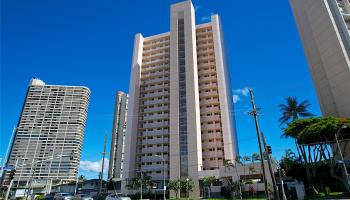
<point>188,192</point>
<point>29,189</point>
<point>164,187</point>
<point>341,156</point>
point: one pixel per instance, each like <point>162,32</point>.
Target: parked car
<point>82,197</point>
<point>117,197</point>
<point>50,196</point>
<point>63,196</point>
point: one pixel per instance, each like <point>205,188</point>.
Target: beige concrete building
<point>324,31</point>
<point>116,155</point>
<point>48,138</point>
<point>180,108</point>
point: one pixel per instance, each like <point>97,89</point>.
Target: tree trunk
<point>341,179</point>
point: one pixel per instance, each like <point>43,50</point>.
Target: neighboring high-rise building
<point>48,138</point>
<point>180,108</point>
<point>324,27</point>
<point>118,134</point>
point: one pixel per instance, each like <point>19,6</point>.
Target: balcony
<point>209,101</point>
<point>154,167</point>
<point>207,145</point>
<point>155,132</point>
<point>210,118</point>
<point>211,126</point>
<point>211,109</point>
<point>156,80</point>
<point>155,124</point>
<point>156,141</point>
<point>214,154</point>
<point>156,109</point>
<point>156,116</point>
<point>153,159</point>
<point>152,88</point>
<point>155,149</point>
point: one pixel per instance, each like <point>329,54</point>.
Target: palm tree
<point>230,164</point>
<point>255,157</point>
<point>81,178</point>
<point>238,160</point>
<point>245,160</point>
<point>293,110</point>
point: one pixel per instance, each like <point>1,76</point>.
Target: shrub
<point>40,197</point>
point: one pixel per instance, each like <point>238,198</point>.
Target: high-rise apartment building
<point>324,27</point>
<point>118,136</point>
<point>180,108</point>
<point>48,138</point>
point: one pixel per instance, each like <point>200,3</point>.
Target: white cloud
<point>235,98</point>
<point>205,18</point>
<point>243,91</point>
<point>196,7</point>
<point>93,166</point>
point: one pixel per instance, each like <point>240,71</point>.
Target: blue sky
<point>89,42</point>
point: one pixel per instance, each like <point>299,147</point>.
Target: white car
<point>63,196</point>
<point>116,197</point>
<point>82,197</point>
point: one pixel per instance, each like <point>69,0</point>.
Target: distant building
<point>324,27</point>
<point>118,136</point>
<point>91,186</point>
<point>180,107</point>
<point>86,187</point>
<point>48,138</point>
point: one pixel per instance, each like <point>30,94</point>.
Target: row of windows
<point>212,149</point>
<point>159,40</point>
<point>155,53</point>
<point>155,121</point>
<point>203,30</point>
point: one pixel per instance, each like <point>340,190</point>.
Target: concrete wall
<point>324,42</point>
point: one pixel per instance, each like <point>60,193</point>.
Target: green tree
<point>134,184</point>
<point>229,164</point>
<point>234,187</point>
<point>207,182</point>
<point>186,186</point>
<point>174,185</point>
<point>292,110</point>
<point>314,137</point>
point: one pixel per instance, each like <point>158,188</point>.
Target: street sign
<point>7,168</point>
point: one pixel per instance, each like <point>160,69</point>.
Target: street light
<point>164,187</point>
<point>188,192</point>
<point>29,189</point>
<point>341,155</point>
<point>16,165</point>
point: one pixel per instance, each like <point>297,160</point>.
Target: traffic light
<point>269,150</point>
<point>12,174</point>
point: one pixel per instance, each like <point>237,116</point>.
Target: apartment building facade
<point>118,136</point>
<point>324,27</point>
<point>180,120</point>
<point>48,138</point>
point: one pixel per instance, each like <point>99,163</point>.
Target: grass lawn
<point>222,199</point>
<point>332,195</point>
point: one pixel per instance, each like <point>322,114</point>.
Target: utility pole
<point>102,167</point>
<point>254,113</point>
<point>275,188</point>
<point>282,187</point>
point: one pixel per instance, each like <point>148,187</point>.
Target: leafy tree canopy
<point>313,130</point>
